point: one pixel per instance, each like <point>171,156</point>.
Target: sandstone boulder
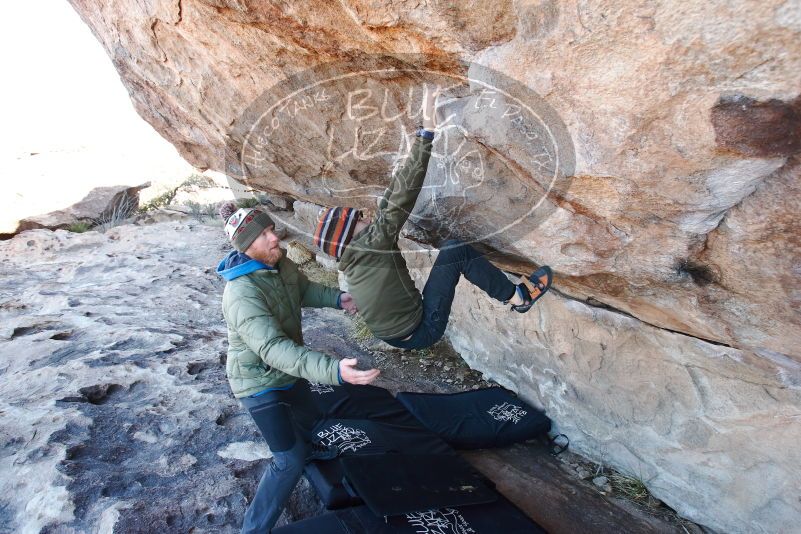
<point>101,206</point>
<point>682,119</point>
<point>648,153</point>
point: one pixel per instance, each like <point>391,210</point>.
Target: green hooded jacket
<point>261,306</point>
<point>375,271</point>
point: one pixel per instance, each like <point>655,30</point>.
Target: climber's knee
<point>292,460</point>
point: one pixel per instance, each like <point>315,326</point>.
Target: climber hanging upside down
<point>377,275</point>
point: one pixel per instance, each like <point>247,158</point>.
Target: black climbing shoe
<point>533,287</point>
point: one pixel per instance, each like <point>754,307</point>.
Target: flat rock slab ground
<point>116,416</point>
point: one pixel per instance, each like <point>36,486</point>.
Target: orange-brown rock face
<point>648,153</point>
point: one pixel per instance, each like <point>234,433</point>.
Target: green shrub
<point>247,202</point>
<point>123,208</point>
<point>201,212</point>
<point>164,199</point>
<point>423,353</point>
<point>79,227</point>
<point>198,180</point>
<point>167,197</point>
<point>631,487</point>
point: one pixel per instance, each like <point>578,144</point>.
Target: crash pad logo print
<point>445,521</point>
<point>496,139</point>
<point>345,438</point>
<point>320,389</point>
<point>507,412</point>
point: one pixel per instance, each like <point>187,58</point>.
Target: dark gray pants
<point>285,419</point>
<point>454,260</point>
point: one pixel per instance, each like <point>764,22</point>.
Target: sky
<point>67,122</point>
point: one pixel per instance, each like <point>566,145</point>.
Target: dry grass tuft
<point>630,487</point>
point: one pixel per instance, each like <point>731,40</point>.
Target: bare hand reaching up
<point>351,375</point>
<point>429,107</point>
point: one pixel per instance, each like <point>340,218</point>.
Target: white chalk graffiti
<point>507,412</point>
<point>320,388</point>
<point>344,438</point>
<point>445,521</point>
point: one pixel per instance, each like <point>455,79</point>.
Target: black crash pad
<point>359,437</point>
<point>394,484</point>
<point>497,517</point>
<point>482,418</point>
<point>358,402</point>
<point>327,479</point>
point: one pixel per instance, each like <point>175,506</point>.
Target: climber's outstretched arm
<point>400,197</point>
<point>402,194</point>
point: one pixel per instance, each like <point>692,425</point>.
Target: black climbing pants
<point>285,419</point>
<point>455,259</point>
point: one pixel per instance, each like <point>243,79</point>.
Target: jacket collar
<point>237,264</point>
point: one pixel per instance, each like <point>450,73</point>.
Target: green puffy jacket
<point>376,273</point>
<point>265,342</point>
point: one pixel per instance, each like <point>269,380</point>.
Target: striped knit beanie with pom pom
<point>335,228</point>
<point>243,225</point>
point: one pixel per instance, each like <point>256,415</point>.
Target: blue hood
<point>238,264</point>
